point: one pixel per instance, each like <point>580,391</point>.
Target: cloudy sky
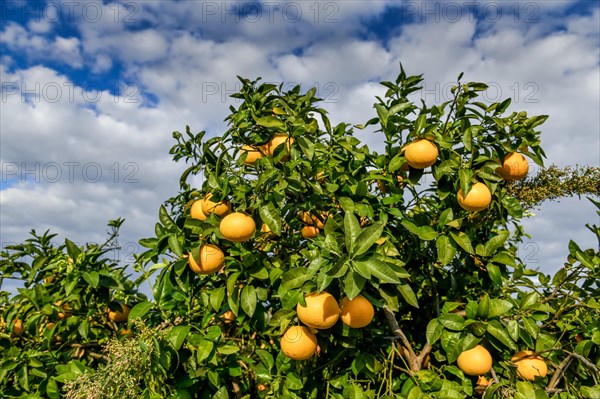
<point>92,90</point>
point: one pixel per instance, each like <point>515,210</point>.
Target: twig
<point>562,367</point>
<point>391,317</point>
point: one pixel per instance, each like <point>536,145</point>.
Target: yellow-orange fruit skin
<point>478,198</point>
<point>211,260</point>
<point>475,361</point>
<point>528,366</point>
<point>220,208</point>
<point>299,343</point>
<point>253,154</point>
<point>278,140</point>
<point>228,317</point>
<point>196,211</point>
<point>237,227</point>
<point>119,316</point>
<point>514,167</point>
<point>66,308</point>
<point>309,232</point>
<point>321,311</point>
<point>18,327</point>
<point>356,313</point>
<point>421,154</point>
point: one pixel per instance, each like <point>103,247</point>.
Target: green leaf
<point>139,310</point>
<point>498,307</point>
<point>353,284</point>
<point>446,216</point>
<point>496,242</point>
<point>72,249</point>
<point>434,331</point>
<point>216,298</point>
<point>467,139</point>
<point>463,241</point>
<point>465,176</point>
<point>174,245</point>
<point>92,278</point>
<point>270,215</point>
<point>379,269</point>
<point>293,278</point>
<point>271,121</point>
<point>513,329</point>
<point>178,335</point>
<point>452,321</point>
<point>166,220</point>
<point>266,358</point>
<point>347,204</point>
<point>409,295</point>
<point>427,233</point>
<point>353,392</point>
<point>221,393</point>
<point>498,331</point>
<point>494,273</point>
<point>504,258</point>
<point>513,206</point>
<point>446,249</point>
<point>395,163</point>
<point>367,238</point>
<point>249,300</point>
<point>483,308</point>
<point>382,112</point>
<point>529,300</point>
<point>308,148</point>
<point>351,230</point>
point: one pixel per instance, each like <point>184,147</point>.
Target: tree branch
<point>391,317</point>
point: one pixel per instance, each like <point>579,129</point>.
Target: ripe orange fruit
<point>211,260</point>
<point>420,154</point>
<point>356,313</point>
<point>65,307</point>
<point>278,140</point>
<point>478,198</point>
<point>49,279</point>
<point>483,381</point>
<point>265,229</point>
<point>321,310</point>
<point>529,366</point>
<point>18,327</point>
<point>515,167</point>
<point>476,361</point>
<point>228,317</point>
<point>253,154</point>
<point>196,210</point>
<point>299,343</point>
<point>119,316</point>
<point>220,208</point>
<point>309,232</point>
<point>261,387</point>
<point>237,227</point>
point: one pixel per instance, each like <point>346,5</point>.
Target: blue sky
<point>91,91</point>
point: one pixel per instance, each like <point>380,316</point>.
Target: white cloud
<point>38,47</point>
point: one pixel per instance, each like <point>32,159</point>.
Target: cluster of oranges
<point>118,316</point>
<point>321,312</point>
<point>478,361</point>
<point>422,153</point>
<point>253,153</point>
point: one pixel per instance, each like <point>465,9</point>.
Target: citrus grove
<point>306,265</point>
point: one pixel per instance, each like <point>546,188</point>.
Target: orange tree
<point>369,274</point>
<point>308,266</point>
<point>71,301</point>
